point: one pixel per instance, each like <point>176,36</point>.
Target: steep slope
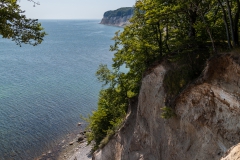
<point>119,17</point>
<point>206,123</point>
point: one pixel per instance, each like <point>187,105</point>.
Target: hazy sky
<point>72,9</point>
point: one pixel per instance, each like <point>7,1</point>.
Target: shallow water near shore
<point>44,89</point>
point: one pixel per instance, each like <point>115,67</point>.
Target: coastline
<point>76,151</point>
<point>72,147</point>
<point>113,25</point>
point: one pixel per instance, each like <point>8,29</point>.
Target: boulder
<point>80,139</point>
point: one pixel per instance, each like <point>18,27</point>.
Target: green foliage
<point>111,110</point>
<point>106,139</point>
<point>167,112</point>
<point>14,24</point>
<point>186,66</point>
<point>125,11</point>
<point>175,80</point>
<point>184,33</point>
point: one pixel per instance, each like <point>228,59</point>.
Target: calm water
<point>44,89</point>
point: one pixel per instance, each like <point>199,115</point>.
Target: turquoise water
<point>44,89</point>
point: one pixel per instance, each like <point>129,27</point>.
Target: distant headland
<point>119,17</point>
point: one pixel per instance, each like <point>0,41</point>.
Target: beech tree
<point>16,26</point>
<point>231,11</point>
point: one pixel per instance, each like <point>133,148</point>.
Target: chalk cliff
<point>206,124</point>
<point>119,17</point>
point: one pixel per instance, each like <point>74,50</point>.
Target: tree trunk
<point>226,25</point>
<point>159,39</point>
<point>200,10</point>
<point>167,38</point>
<point>231,22</point>
<point>236,21</point>
<point>192,20</point>
<point>208,31</point>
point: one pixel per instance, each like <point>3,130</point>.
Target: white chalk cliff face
<point>206,125</point>
<point>119,17</point>
<point>116,21</point>
<point>233,153</point>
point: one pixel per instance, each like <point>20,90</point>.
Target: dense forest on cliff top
<point>183,33</point>
<point>121,12</point>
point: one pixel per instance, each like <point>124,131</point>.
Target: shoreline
<point>77,151</point>
<point>72,147</point>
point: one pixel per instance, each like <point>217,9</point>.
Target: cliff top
<point>124,11</point>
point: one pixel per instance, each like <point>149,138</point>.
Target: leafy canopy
<point>124,11</point>
<point>182,33</point>
<point>14,24</point>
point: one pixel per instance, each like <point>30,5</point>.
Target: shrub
<point>167,112</point>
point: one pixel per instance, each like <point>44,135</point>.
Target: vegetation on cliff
<point>121,12</point>
<point>184,33</point>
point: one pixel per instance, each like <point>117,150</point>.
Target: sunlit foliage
<point>183,33</point>
<point>14,24</point>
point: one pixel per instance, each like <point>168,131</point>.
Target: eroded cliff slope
<point>206,124</point>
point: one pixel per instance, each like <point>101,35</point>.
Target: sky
<point>72,9</point>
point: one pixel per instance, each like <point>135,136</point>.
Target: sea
<point>44,89</point>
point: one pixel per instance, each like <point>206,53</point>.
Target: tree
<point>179,32</point>
<point>16,26</point>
